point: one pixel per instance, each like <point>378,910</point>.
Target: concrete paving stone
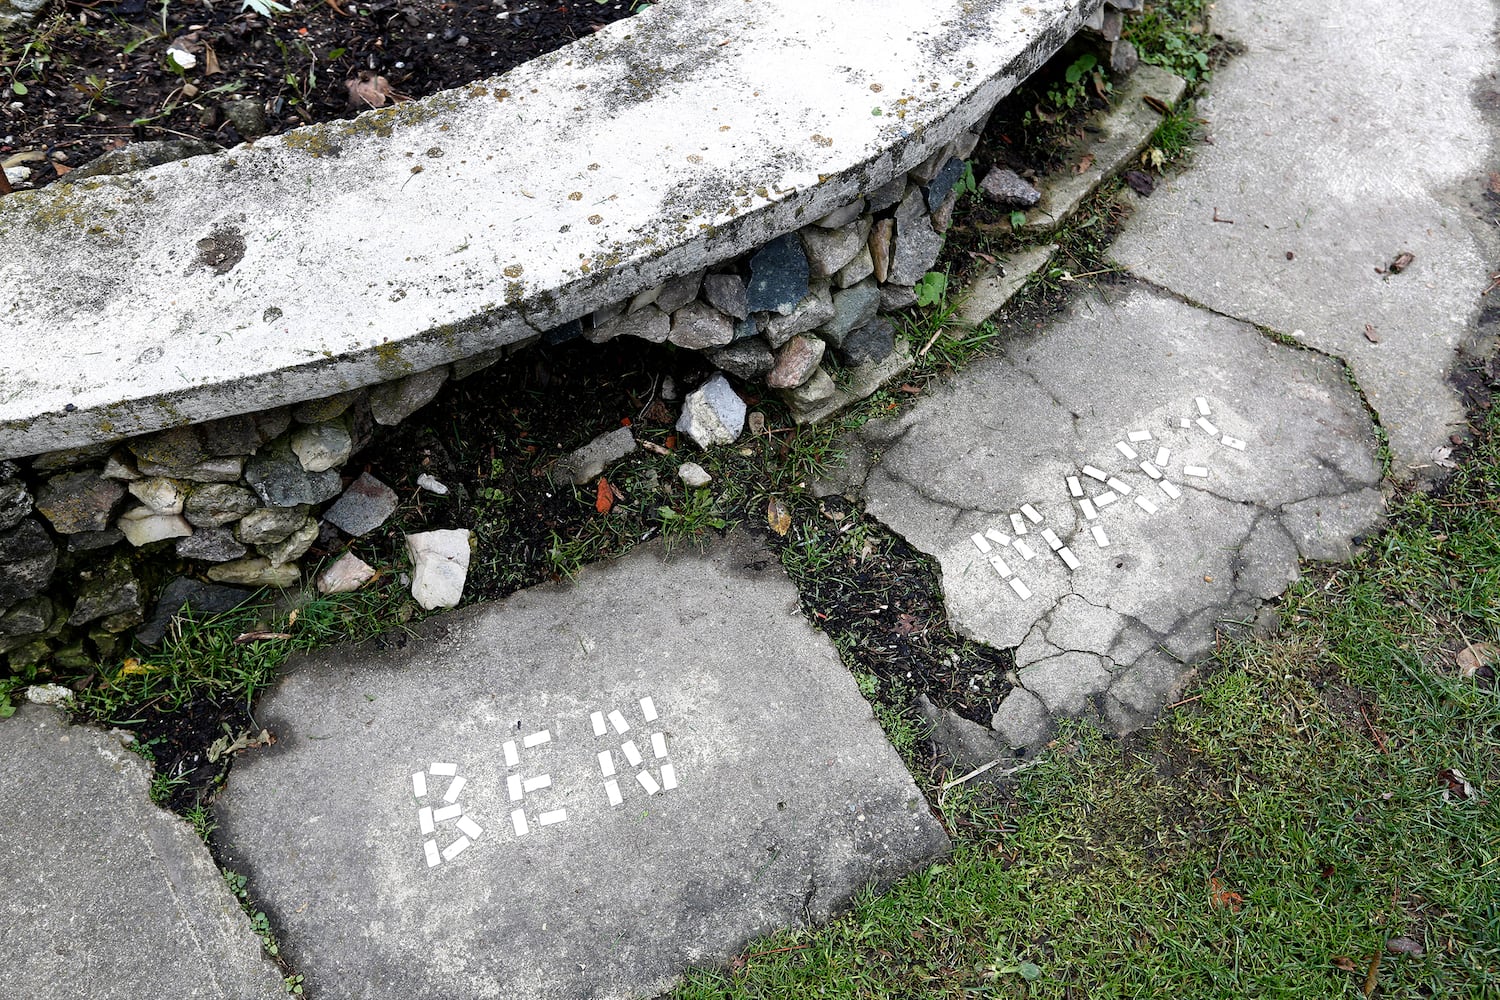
<point>1129,359</point>
<point>995,286</point>
<point>106,896</point>
<point>788,798</point>
<point>1387,153</point>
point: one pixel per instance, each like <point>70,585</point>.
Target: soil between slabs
<point>97,75</point>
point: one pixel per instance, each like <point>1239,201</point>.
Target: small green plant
<point>1017,219</point>
<point>1076,79</point>
<point>932,289</point>
<point>202,821</point>
<point>967,185</point>
<point>259,922</point>
<point>692,523</point>
<point>293,985</point>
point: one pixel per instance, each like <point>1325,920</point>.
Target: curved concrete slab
<point>355,252</point>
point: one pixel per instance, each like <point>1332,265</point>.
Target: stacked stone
<point>1109,22</point>
<point>781,313</point>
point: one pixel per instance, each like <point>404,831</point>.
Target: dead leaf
<point>134,666</point>
<point>226,744</point>
<point>653,447</point>
<point>1140,183</point>
<point>1476,656</point>
<point>1371,335</point>
<point>291,619</point>
<point>1345,963</point>
<point>1157,104</point>
<point>658,413</point>
<point>606,496</point>
<point>210,61</point>
<point>1372,976</point>
<point>62,169</point>
<point>1494,182</point>
<point>1402,262</point>
<point>1220,899</point>
<point>1405,946</point>
<point>370,90</point>
<point>245,637</point>
<point>778,517</point>
<point>1458,785</point>
<point>911,390</point>
<point>1440,457</point>
<point>907,624</point>
<point>1083,164</point>
<point>756,422</point>
<point>671,442</point>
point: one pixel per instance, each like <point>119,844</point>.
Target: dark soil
<point>97,75</point>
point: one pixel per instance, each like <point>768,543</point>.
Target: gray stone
<point>881,235</point>
<point>345,575</point>
<point>78,501</point>
<point>108,588</point>
<point>943,183</point>
<point>586,464</point>
<point>967,745</point>
<point>888,194</point>
<point>812,395</point>
<point>16,13</point>
<point>270,524</point>
<point>829,250</point>
<point>256,572</point>
<point>292,547</point>
<point>646,298</point>
<point>964,144</point>
<point>894,298</point>
<point>712,414</point>
<point>137,156</point>
<point>857,270</point>
<point>855,384</point>
<point>216,504</point>
<point>393,402</point>
<point>277,477</point>
<point>106,895</point>
<point>788,798</point>
<point>648,323</point>
<point>698,326</point>
<point>173,448</point>
<point>183,596</point>
<point>234,435</point>
<point>727,293</point>
<point>744,359</point>
<point>1011,429</point>
<point>223,469</point>
<point>852,309</point>
<point>32,616</point>
<point>15,501</point>
<point>365,505</point>
<point>778,276</point>
<point>1022,720</point>
<point>320,447</point>
<point>143,526</point>
<point>318,411</point>
<point>942,217</point>
<point>1302,254</point>
<point>924,172</point>
<point>796,362</point>
<point>161,495</point>
<point>693,474</point>
<point>841,217</point>
<point>89,541</point>
<point>120,465</point>
<point>916,246</point>
<point>271,424</point>
<point>870,343</point>
<point>1004,186</point>
<point>995,285</point>
<point>54,461</point>
<point>812,312</point>
<point>247,117</point>
<point>679,291</point>
<point>1123,57</point>
<point>211,545</point>
<point>439,566</point>
<point>1113,26</point>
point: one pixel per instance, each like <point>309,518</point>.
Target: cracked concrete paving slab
<point>1345,134</point>
<point>581,875</point>
<point>1118,635</point>
<point>103,894</point>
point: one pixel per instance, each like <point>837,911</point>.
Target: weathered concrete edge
<point>540,310</point>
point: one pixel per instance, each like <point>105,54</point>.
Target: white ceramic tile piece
<point>445,813</point>
<point>1001,567</point>
<point>1018,524</point>
<point>455,788</point>
<point>632,753</point>
<point>1119,486</point>
<point>1105,499</point>
<point>514,784</point>
<point>1203,410</point>
<point>1075,488</point>
<point>1089,510</point>
<point>1139,436</point>
<point>1093,473</point>
<point>598,720</point>
<point>1196,471</point>
<point>424,818</point>
<point>1126,450</point>
<point>1099,535</point>
<point>998,537</point>
<point>659,745</point>
<point>1025,550</point>
<point>648,709</point>
<point>613,788</point>
<point>512,758</point>
<point>456,848</point>
<point>1145,505</point>
<point>443,770</point>
<point>618,721</point>
<point>648,783</point>
<point>981,543</point>
<point>470,829</point>
<point>1150,470</point>
<point>1050,537</point>
<point>433,858</point>
<point>419,784</point>
<point>1068,558</point>
<point>1031,513</point>
<point>1170,489</point>
<point>1184,423</point>
<point>518,822</point>
<point>540,781</point>
<point>606,763</point>
<point>1162,454</point>
<point>1233,442</point>
<point>668,777</point>
<point>1208,426</point>
<point>1022,591</point>
<point>537,739</point>
<point>549,818</point>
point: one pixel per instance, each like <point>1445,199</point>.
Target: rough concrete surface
<point>788,799</point>
<point>1345,134</point>
<point>102,894</point>
<point>571,182</point>
<point>1116,636</point>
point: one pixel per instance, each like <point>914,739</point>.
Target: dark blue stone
<point>943,183</point>
<point>778,276</point>
<point>746,328</point>
<point>570,330</point>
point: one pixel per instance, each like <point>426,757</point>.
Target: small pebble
<point>431,485</point>
<point>694,474</point>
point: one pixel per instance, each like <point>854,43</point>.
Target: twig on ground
<point>982,769</point>
<point>1374,733</point>
<point>1185,701</point>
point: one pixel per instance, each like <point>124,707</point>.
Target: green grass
<point>1267,837</point>
<point>1173,34</point>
